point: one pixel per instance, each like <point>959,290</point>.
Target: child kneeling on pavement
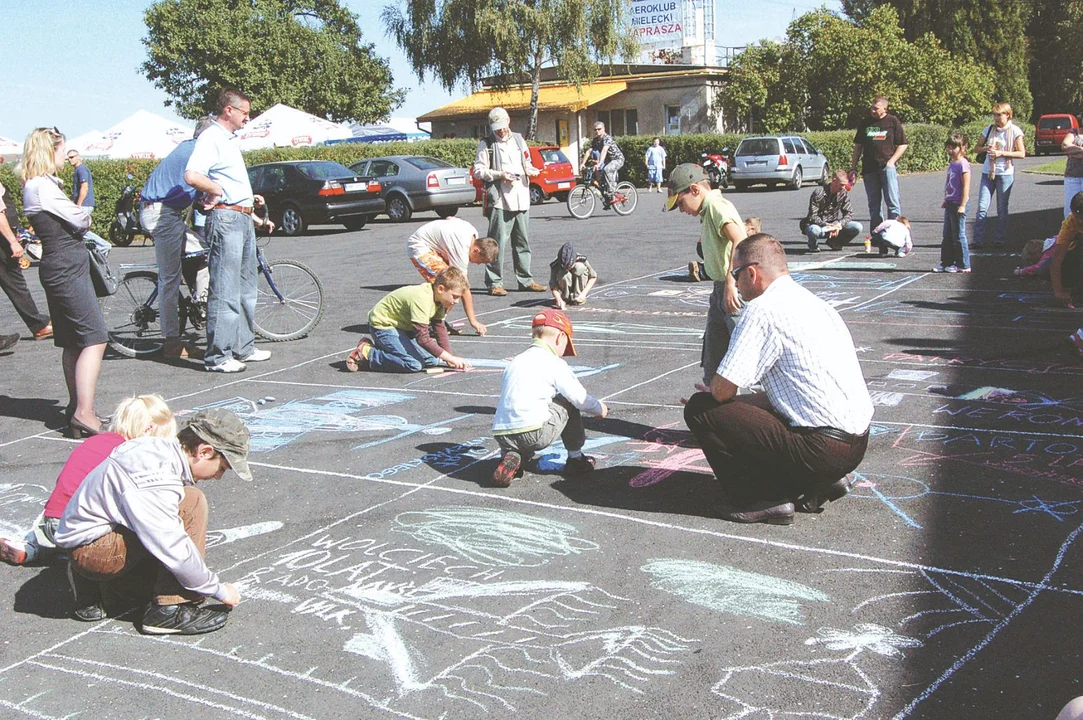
<point>407,328</point>
<point>571,277</point>
<point>540,398</point>
<point>139,514</point>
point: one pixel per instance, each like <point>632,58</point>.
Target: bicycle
<point>584,197</point>
<point>289,304</point>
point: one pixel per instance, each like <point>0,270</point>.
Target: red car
<point>557,175</point>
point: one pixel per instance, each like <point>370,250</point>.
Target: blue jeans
<point>396,350</point>
<point>954,249</point>
<point>1003,185</point>
<point>882,183</point>
<point>846,235</point>
<point>231,297</point>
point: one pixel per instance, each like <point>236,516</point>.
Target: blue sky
<point>75,63</point>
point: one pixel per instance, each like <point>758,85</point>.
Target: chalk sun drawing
<point>866,636</point>
<point>494,538</point>
<point>729,590</point>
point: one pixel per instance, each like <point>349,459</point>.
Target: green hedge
<point>926,153</point>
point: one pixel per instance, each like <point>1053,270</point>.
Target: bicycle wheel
<point>581,202</point>
<point>297,311</point>
<point>625,199</point>
<point>131,315</point>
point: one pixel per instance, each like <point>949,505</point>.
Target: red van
<point>1051,131</point>
<point>557,175</point>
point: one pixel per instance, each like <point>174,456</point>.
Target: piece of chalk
<point>433,371</point>
<point>261,401</point>
<point>269,399</point>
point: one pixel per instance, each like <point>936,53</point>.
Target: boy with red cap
<point>540,398</point>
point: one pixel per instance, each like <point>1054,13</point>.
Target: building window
<point>617,128</point>
<point>631,121</point>
<point>603,117</point>
<point>673,120</point>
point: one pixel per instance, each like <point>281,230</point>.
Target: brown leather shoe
<point>534,287</point>
<point>497,291</point>
<point>45,333</point>
<point>770,512</point>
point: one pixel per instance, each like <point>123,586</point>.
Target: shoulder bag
<point>105,282</point>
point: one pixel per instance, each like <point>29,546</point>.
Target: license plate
<point>563,186</point>
<point>756,162</point>
<point>355,187</point>
<point>456,181</point>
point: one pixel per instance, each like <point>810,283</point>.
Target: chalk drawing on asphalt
<point>494,538</point>
<point>20,503</point>
<point>850,691</point>
<point>895,491</point>
<point>338,412</point>
<point>588,327</point>
<point>229,535</point>
<point>733,591</point>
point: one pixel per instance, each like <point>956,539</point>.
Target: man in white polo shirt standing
<point>792,446</point>
<point>216,169</point>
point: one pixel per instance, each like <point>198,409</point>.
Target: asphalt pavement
<point>383,577</point>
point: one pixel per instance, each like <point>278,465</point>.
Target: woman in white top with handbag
<point>1001,144</point>
<point>78,326</point>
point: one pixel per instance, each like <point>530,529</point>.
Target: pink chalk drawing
<point>679,451</point>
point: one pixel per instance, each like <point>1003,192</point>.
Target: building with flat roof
<point>629,99</point>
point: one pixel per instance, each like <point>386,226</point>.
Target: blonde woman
<point>78,326</point>
<point>1002,143</point>
<point>142,416</point>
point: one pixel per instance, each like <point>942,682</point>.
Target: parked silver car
<point>412,183</point>
<point>778,160</point>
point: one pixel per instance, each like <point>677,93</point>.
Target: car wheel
<point>398,209</point>
<point>293,223</point>
<point>797,180</point>
<point>825,176</point>
<point>446,212</point>
<point>355,223</point>
<point>739,186</point>
<point>537,195</point>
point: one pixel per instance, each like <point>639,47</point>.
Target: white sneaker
<point>948,269</point>
<point>257,356</point>
<point>233,365</point>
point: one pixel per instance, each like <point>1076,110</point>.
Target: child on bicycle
<point>570,278</point>
<point>407,328</point>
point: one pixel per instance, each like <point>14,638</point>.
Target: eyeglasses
<point>599,129</point>
<point>736,272</point>
<point>244,113</point>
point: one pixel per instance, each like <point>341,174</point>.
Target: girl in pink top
<point>145,415</point>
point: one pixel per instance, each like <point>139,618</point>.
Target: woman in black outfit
<point>78,325</point>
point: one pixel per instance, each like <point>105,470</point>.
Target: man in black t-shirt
<point>879,143</point>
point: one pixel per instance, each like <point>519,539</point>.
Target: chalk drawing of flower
<point>866,636</point>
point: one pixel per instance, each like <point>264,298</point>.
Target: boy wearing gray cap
<point>141,504</point>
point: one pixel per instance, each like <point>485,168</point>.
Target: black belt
<point>834,434</point>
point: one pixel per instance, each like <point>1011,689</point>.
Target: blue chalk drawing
<point>578,370</point>
<point>552,458</point>
<point>587,327</point>
<point>729,590</point>
<point>275,427</point>
<point>900,489</point>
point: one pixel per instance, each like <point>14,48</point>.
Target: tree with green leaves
<point>826,72</point>
<point>460,42</point>
<point>1056,63</point>
<point>308,54</point>
<point>993,34</point>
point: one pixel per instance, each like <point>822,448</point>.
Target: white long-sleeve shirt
<point>530,382</point>
<point>43,194</point>
<point>140,486</point>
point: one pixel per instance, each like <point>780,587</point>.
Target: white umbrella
<point>80,143</point>
<point>9,149</point>
<point>141,135</point>
<point>283,126</point>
